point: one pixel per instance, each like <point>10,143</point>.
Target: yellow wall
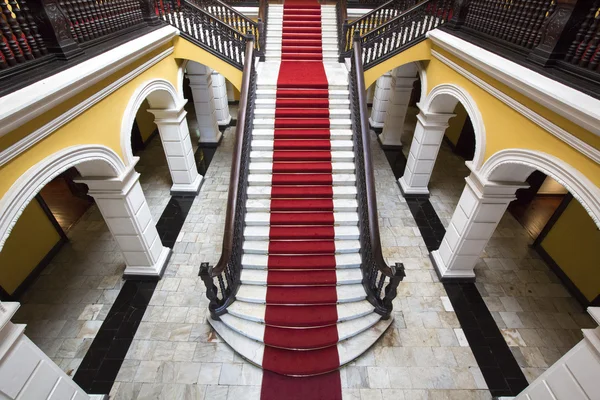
<point>145,121</point>
<point>32,237</point>
<point>456,124</point>
<point>420,52</point>
<point>506,128</point>
<point>573,244</point>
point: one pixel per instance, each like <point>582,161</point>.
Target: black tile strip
<point>102,362</point>
<point>497,363</point>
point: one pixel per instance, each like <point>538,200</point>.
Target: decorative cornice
<point>570,103</point>
<point>573,141</point>
<point>28,141</point>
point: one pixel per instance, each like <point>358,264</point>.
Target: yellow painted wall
<point>145,121</point>
<point>101,124</point>
<point>573,244</point>
<point>506,128</point>
<point>420,52</point>
<point>32,237</point>
<point>456,124</point>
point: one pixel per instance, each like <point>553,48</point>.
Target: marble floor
<point>175,354</point>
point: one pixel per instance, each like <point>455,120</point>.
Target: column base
<point>187,189</point>
<point>224,123</point>
<point>446,275</point>
<point>389,146</point>
<point>409,192</point>
<point>376,126</point>
<point>153,273</point>
<point>212,142</point>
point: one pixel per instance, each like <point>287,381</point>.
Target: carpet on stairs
<point>300,359</point>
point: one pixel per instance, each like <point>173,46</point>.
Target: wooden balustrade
<point>20,40</point>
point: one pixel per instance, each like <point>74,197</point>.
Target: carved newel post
<point>459,14</point>
<point>148,12</point>
<point>560,30</point>
<point>55,28</point>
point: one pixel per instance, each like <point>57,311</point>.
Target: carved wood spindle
<point>510,13</point>
<point>128,14</point>
<point>518,22</point>
<point>477,15</point>
<point>33,27</point>
<point>89,19</point>
<point>533,27</point>
<point>591,42</point>
<point>577,47</point>
<point>501,20</point>
<point>75,25</point>
<point>5,37</point>
<point>513,20</point>
<point>83,23</point>
<point>595,61</point>
<point>528,19</point>
<point>17,42</point>
<point>137,12</point>
<point>100,16</point>
<point>34,51</point>
<point>120,14</point>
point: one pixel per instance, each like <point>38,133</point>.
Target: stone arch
<point>161,94</point>
<point>515,165</point>
<point>90,160</point>
<point>443,98</point>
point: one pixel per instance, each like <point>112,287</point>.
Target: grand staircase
<point>301,308</point>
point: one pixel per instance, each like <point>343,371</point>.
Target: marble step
<point>339,84</point>
<point>262,247</point>
<point>267,155</point>
<point>264,205</point>
<point>334,113</point>
<point>336,123</point>
<point>260,262</point>
<point>261,94</point>
<point>348,350</point>
<point>339,193</point>
<point>266,179</point>
<point>256,312</point>
<point>343,104</point>
<point>257,233</point>
<point>264,218</point>
<point>278,39</point>
<point>336,145</point>
<point>256,331</point>
<point>269,134</point>
<point>259,277</point>
<point>267,167</point>
<point>258,294</point>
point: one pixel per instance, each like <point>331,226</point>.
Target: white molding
<point>28,141</point>
<point>574,181</point>
<point>24,189</point>
<point>570,103</point>
<point>547,125</point>
<point>25,104</point>
<point>470,106</point>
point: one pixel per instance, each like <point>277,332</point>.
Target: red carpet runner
<point>301,281</point>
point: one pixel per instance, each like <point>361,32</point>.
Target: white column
<point>393,128</point>
<point>127,215</point>
<point>175,136</point>
<point>380,100</point>
<point>26,372</point>
<point>424,148</point>
<point>475,219</point>
<point>220,96</point>
<point>202,92</point>
<point>371,93</point>
<point>575,375</point>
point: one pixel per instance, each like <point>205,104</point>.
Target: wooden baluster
<point>526,22</point>
<point>460,14</point>
<point>533,27</point>
<point>517,20</point>
<point>130,17</point>
<point>512,19</point>
<point>65,5</point>
<point>120,8</point>
<point>33,27</point>
<point>97,19</point>
<point>89,19</point>
<point>16,41</point>
<point>501,18</point>
<point>30,41</point>
<point>576,47</point>
<point>6,38</point>
<point>83,24</point>
<point>476,21</point>
<point>596,59</point>
<point>590,42</point>
<point>549,7</point>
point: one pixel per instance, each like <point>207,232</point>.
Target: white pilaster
<point>202,92</point>
<point>371,93</point>
<point>393,128</point>
<point>175,136</point>
<point>230,91</point>
<point>424,148</point>
<point>475,219</point>
<point>25,371</point>
<point>126,212</point>
<point>220,96</point>
<point>381,99</point>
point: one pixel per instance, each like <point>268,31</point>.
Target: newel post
<point>149,12</point>
<point>55,29</point>
<point>459,14</point>
<point>559,31</point>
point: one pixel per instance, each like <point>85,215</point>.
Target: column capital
<point>170,115</point>
<point>486,190</point>
<point>433,120</point>
<point>107,187</point>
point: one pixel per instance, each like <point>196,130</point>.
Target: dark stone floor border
<point>497,363</point>
<point>99,368</point>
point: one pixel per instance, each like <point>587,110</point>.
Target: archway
<point>435,112</point>
<point>170,117</point>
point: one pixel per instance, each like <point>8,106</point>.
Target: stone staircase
<point>301,309</point>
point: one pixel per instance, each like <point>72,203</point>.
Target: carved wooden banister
<point>222,281</point>
<point>376,272</point>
